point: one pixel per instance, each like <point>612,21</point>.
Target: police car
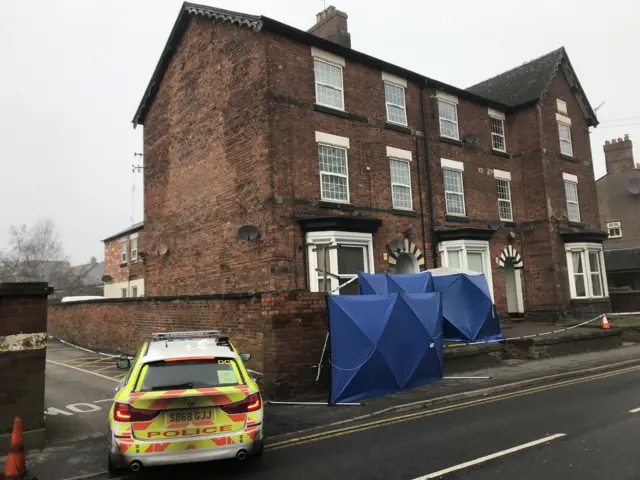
<point>187,397</point>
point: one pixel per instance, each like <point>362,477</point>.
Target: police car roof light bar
<point>186,335</point>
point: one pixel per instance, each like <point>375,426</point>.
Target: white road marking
<point>83,370</point>
<point>56,411</point>
<point>106,368</point>
<point>104,400</point>
<point>75,407</point>
<point>490,457</point>
<point>635,410</point>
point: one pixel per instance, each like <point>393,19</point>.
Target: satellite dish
<point>107,278</point>
<point>496,224</point>
<point>634,186</point>
<point>248,232</point>
<point>396,246</point>
<point>470,138</point>
<point>163,249</point>
<point>527,226</point>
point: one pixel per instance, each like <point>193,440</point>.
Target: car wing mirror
<point>245,357</point>
<point>123,363</point>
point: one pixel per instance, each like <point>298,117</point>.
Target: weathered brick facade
<point>125,273</point>
<point>231,129</point>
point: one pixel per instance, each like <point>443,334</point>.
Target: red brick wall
<point>23,310</point>
<point>293,155</point>
<point>283,332</point>
<point>113,266</point>
<point>205,139</point>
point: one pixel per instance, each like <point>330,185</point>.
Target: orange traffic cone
<point>605,322</point>
<point>15,468</point>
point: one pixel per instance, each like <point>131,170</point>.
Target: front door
<point>513,285</point>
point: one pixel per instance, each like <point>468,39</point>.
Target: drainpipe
<point>432,218</point>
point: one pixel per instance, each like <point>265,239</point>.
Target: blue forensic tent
<point>382,283</point>
<point>467,308</point>
<point>382,344</point>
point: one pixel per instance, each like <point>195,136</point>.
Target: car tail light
<point>124,412</point>
<point>252,403</point>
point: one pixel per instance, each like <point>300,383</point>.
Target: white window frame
<point>333,141</point>
<point>123,251</point>
<point>335,61</point>
<point>572,180</point>
<point>134,291</point>
<point>566,144</point>
<point>454,166</point>
<point>584,249</point>
<point>400,83</point>
<point>499,117</point>
<point>464,247</point>
<point>333,238</point>
<point>123,292</point>
<point>561,106</point>
<point>404,156</point>
<point>442,119</point>
<point>614,226</point>
<point>133,239</point>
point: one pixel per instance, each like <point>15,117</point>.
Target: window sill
<point>508,223</point>
<point>397,128</point>
<point>576,224</point>
<point>336,205</point>
<point>330,111</point>
<point>457,218</point>
<point>451,141</point>
<point>569,158</point>
<point>123,264</point>
<point>404,213</point>
<point>581,301</point>
<point>499,153</point>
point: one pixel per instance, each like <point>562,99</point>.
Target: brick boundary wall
<point>23,328</point>
<point>628,301</point>
<point>283,331</point>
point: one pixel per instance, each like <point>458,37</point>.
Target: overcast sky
<point>73,71</point>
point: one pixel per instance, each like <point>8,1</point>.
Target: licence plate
<point>190,415</point>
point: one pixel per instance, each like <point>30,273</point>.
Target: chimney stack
<point>618,155</point>
<point>94,260</point>
<point>331,24</point>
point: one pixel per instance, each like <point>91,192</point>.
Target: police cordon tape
<point>503,340</point>
<point>111,355</point>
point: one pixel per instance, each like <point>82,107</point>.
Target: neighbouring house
<point>265,144</point>
<point>619,200</point>
<point>124,266</point>
<point>79,280</point>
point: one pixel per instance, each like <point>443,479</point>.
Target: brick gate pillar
<point>23,340</point>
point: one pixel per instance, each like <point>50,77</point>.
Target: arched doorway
<point>407,263</point>
<point>511,263</point>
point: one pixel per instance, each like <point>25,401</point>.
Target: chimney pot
<point>607,142</point>
<point>331,24</point>
<point>626,137</point>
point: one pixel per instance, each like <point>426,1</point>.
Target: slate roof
<point>131,229</point>
<point>522,84</point>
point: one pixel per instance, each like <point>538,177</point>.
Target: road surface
<point>578,429</point>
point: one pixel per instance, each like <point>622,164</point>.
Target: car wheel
<point>112,467</point>
<point>259,451</point>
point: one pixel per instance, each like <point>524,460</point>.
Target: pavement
<point>80,387</point>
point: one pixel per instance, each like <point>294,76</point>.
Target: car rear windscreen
<point>180,375</point>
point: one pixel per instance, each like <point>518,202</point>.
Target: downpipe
<point>136,466</point>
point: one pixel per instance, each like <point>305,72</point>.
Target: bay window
<point>345,253</point>
<point>585,263</point>
<point>468,255</point>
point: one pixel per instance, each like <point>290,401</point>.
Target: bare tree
<point>34,254</point>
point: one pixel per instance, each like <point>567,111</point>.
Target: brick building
<point>124,263</point>
<point>307,143</point>
<point>619,200</point>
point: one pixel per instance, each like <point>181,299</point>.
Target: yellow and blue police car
<point>187,397</point>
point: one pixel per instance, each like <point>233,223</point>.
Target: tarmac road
<point>582,429</point>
